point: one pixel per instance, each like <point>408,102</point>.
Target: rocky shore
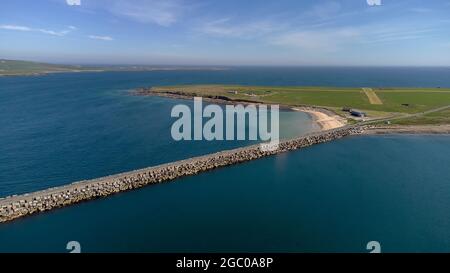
<point>410,129</point>
<point>218,99</point>
<point>14,207</point>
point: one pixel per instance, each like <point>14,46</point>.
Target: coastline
<point>325,120</point>
<point>212,99</point>
<point>323,117</point>
<point>106,69</point>
<point>45,73</point>
<point>409,129</point>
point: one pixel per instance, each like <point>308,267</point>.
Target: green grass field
<point>397,102</point>
<point>394,100</point>
<point>442,117</point>
<point>419,100</point>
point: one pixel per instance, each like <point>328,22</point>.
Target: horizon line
<point>228,65</point>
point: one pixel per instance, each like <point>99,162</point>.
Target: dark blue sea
<point>334,197</point>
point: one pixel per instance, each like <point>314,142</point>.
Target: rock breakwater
<point>14,207</point>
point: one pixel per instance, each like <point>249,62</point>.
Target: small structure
<point>358,113</point>
<point>233,92</point>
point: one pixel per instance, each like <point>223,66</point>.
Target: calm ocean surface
<point>61,128</point>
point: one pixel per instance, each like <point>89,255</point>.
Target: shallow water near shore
<point>337,196</point>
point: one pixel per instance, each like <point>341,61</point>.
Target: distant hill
<point>13,67</point>
<point>21,68</point>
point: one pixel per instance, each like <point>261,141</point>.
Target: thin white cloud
<point>307,30</point>
<point>41,30</point>
<point>55,33</point>
<point>225,28</point>
<point>385,33</point>
<point>421,10</point>
<point>164,13</point>
<point>103,38</point>
<point>14,27</point>
<point>315,29</point>
<point>325,11</point>
<point>333,39</point>
<point>325,40</point>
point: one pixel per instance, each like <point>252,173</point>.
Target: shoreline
<point>326,121</point>
<point>45,73</point>
<point>100,70</point>
<point>212,99</point>
<point>323,117</point>
<point>409,129</point>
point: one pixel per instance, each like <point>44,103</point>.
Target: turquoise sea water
<point>332,197</point>
<point>68,127</point>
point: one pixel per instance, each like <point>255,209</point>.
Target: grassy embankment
<point>396,102</point>
<point>437,118</point>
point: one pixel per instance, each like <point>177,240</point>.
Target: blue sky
<point>231,32</point>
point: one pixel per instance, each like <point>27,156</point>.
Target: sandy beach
<point>326,121</point>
